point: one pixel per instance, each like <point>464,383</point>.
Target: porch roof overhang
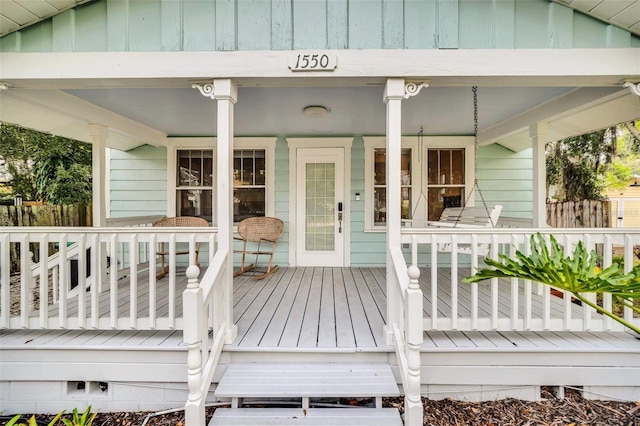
<point>145,97</point>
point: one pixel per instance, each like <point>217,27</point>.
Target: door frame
<point>323,142</point>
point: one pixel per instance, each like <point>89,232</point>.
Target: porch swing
<point>465,216</point>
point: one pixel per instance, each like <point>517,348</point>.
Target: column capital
<point>226,89</point>
<point>394,89</point>
<point>539,129</point>
<point>98,131</point>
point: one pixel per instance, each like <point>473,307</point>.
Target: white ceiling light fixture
<point>315,111</point>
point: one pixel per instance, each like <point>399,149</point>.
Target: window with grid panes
<point>249,183</point>
<point>380,185</point>
<point>445,180</point>
<point>194,183</point>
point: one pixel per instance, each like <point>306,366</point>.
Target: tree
<point>625,166</point>
<point>582,167</point>
<point>47,167</point>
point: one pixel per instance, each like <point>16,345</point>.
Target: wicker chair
<point>262,233</point>
<point>186,221</point>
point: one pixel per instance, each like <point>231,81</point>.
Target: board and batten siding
<point>138,185</point>
<point>230,25</point>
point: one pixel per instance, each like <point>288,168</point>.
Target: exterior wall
<point>139,182</point>
<point>506,177</point>
<point>162,25</point>
<point>282,200</point>
<point>367,248</point>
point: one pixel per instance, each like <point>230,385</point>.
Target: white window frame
<point>371,143</point>
<point>419,188</point>
<point>175,145</point>
<point>183,143</point>
<point>269,147</point>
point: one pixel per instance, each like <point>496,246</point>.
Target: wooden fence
<point>579,214</point>
<point>48,215</point>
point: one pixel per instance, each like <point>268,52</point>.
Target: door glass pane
<point>320,206</point>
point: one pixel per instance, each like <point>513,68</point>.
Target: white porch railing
<point>201,316</point>
<point>516,305</point>
<point>103,297</point>
<point>406,327</point>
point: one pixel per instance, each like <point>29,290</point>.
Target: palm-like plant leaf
<point>576,274</point>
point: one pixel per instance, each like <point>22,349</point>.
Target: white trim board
<point>520,67</point>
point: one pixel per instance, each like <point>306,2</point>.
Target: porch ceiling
<point>148,115</point>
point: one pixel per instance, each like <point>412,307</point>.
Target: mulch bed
<point>551,411</point>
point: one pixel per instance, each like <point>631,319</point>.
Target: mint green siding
<point>506,177</point>
<point>281,208</point>
<point>367,248</point>
<point>138,184</point>
<point>209,25</point>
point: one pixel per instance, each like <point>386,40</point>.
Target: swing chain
<point>476,186</point>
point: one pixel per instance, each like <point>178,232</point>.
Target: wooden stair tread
<point>271,380</point>
<point>308,417</point>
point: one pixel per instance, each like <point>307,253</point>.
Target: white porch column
<point>538,135</point>
<point>225,91</point>
<point>393,95</point>
<point>99,135</point>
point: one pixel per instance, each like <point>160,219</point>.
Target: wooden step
<point>307,417</point>
<point>273,380</point>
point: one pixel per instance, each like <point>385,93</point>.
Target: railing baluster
<point>494,286</point>
<point>586,309</point>
<point>172,281</point>
<point>515,287</point>
<point>44,280</point>
<point>454,282</point>
<point>113,280</point>
<point>434,282</point>
<point>527,291</point>
<point>152,281</point>
<point>474,286</point>
<point>96,276</point>
<point>628,265</point>
<point>5,280</point>
<point>26,302</point>
<point>566,296</point>
<point>82,281</point>
<point>133,281</point>
<point>63,264</point>
<point>607,300</point>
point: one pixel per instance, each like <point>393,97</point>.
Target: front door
<point>320,215</point>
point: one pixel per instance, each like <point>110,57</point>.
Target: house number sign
<point>313,62</point>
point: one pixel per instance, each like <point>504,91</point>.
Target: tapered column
<point>538,135</point>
